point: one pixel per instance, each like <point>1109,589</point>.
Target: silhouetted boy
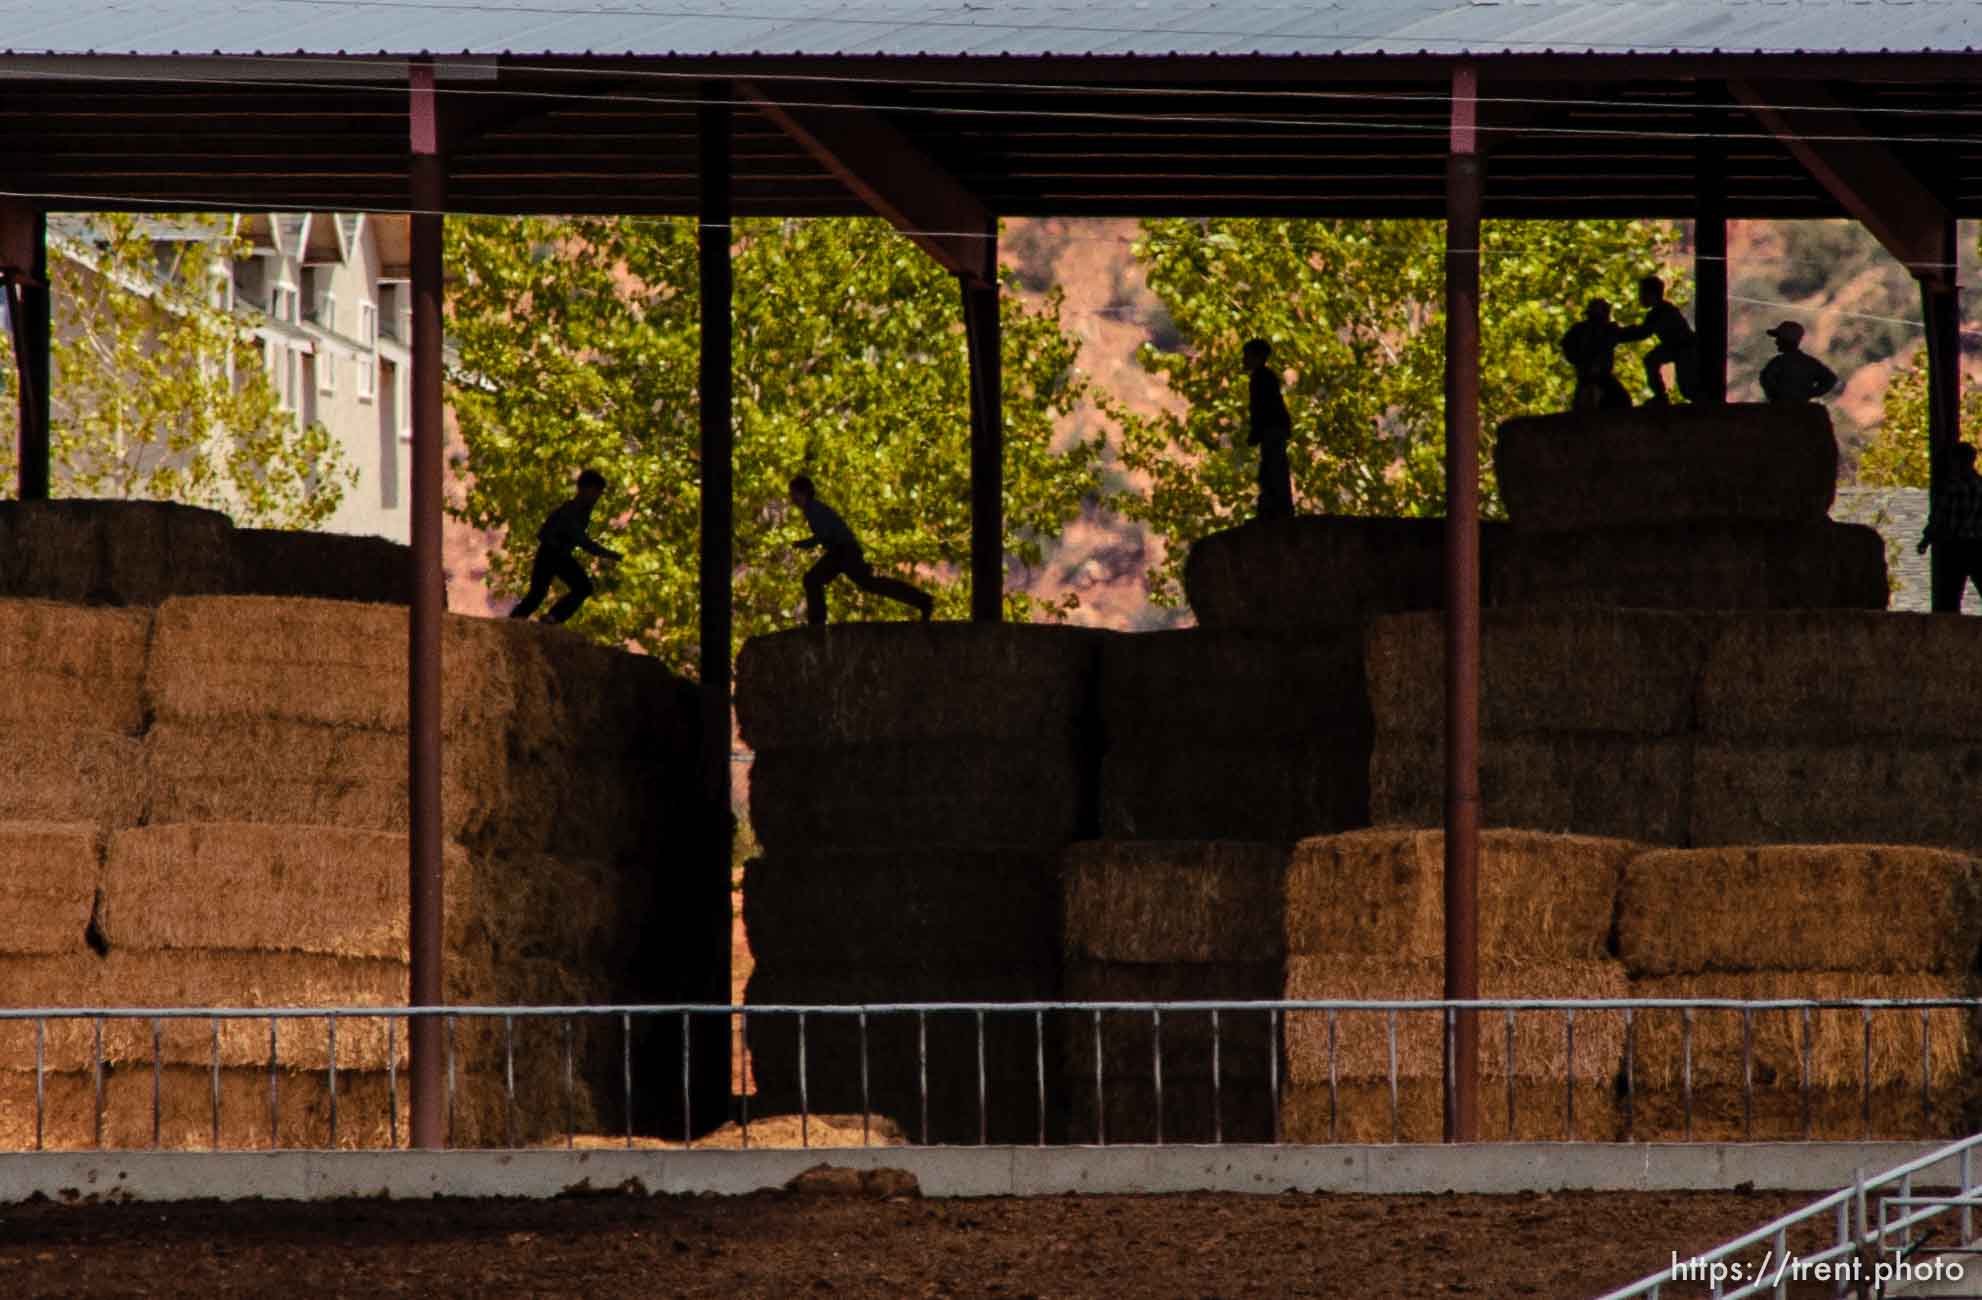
<point>843,555</point>
<point>1954,530</point>
<point>563,532</point>
<point>1591,347</point>
<point>1269,428</point>
<point>1793,375</point>
<point>1676,345</point>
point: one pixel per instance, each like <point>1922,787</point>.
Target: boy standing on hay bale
<point>1676,343</point>
<point>1271,426</point>
<point>1954,530</point>
<point>1591,347</point>
<point>843,555</point>
<point>565,530</point>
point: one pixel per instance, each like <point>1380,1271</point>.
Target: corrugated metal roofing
<point>985,28</point>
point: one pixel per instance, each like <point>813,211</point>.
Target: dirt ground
<point>862,1244</point>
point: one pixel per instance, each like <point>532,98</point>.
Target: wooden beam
<point>889,173</point>
<point>1863,176</point>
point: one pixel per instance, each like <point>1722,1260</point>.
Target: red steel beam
<point>24,267</point>
<point>889,173</point>
<point>1464,186</point>
<point>1863,176</point>
<point>428,186</point>
<point>983,336</point>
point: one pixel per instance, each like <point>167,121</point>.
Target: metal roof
<point>977,28</point>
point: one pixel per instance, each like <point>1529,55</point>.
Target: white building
<point>328,297</point>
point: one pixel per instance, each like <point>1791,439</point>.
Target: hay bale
<point>1843,677</point>
<point>1126,1110</point>
<point>587,806</point>
<point>49,875</point>
<point>1581,784</point>
<point>185,1110</point>
<point>1013,1044</point>
<point>239,659</point>
<point>1273,791</point>
<point>1319,570</point>
<point>573,696</point>
<point>1541,1042</point>
<point>322,566</point>
<point>903,908</point>
<point>1248,1045</point>
<point>1721,1113</point>
<point>1802,792</point>
<point>1254,688</point>
<point>1871,908</point>
<point>86,552</point>
<point>1174,901</point>
<point>865,684</point>
<point>97,777</point>
<point>936,794</point>
<point>1697,564</point>
<point>1837,1055</point>
<point>1652,465</point>
<point>1380,895</point>
<point>271,770</point>
<point>1621,672</point>
<point>69,668</point>
<point>1362,1113</point>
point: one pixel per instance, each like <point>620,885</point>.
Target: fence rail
<point>1031,1036</point>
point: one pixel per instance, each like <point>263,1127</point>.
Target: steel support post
<point>28,322</point>
<point>1710,266</point>
<point>709,888</point>
<point>429,1099</point>
<point>1464,185</point>
<point>983,337</point>
<point>1940,303</point>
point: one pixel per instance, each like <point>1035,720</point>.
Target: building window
<point>282,302</point>
<point>326,371</point>
<point>368,334</point>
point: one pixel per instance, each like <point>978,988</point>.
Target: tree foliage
<point>1355,311</point>
<point>577,346</point>
<point>157,392</point>
<point>1895,455</point>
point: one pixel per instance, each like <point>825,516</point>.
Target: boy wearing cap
<point>1793,375</point>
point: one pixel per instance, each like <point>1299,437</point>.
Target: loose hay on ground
<point>1869,908</point>
<point>49,875</point>
<point>1156,901</point>
<point>70,668</point>
<point>1380,894</point>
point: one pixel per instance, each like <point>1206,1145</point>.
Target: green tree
<point>159,393</point>
<point>1895,454</point>
<point>1355,311</point>
<point>577,345</point>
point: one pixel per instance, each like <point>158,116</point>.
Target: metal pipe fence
<point>1032,1072</point>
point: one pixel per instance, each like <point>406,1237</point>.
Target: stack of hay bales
<point>1318,570</point>
<point>324,566</point>
<point>1366,921</point>
<point>1586,720</point>
<point>1148,921</point>
<point>1840,728</point>
<point>113,552</point>
<point>1687,507</point>
<point>912,789</point>
<point>1804,921</point>
<point>1234,735</point>
<point>251,851</point>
